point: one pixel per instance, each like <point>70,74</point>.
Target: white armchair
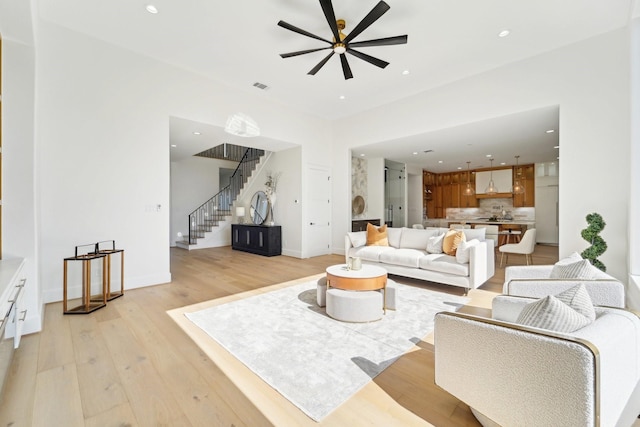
<point>513,375</point>
<point>534,281</point>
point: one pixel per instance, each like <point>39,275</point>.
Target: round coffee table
<point>368,278</point>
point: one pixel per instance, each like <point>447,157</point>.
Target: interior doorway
<point>395,194</point>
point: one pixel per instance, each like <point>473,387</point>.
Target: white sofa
<point>406,256</point>
<point>526,376</point>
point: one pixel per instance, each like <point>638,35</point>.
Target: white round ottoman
<point>354,306</point>
<point>321,291</point>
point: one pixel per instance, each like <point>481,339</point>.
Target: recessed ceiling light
<point>504,33</point>
<point>362,155</point>
<point>151,9</point>
<point>342,97</point>
<point>196,133</point>
<point>440,161</point>
<point>173,145</point>
<point>556,146</point>
<point>415,152</point>
<point>459,167</point>
<point>406,72</point>
<point>503,163</point>
<point>551,131</point>
<point>488,155</point>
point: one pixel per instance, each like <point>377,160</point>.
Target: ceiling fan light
<point>339,48</point>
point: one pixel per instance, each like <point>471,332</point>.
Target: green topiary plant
<point>591,235</point>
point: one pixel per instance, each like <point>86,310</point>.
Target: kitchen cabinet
<point>526,175</point>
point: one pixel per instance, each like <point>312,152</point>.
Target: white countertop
<point>9,268</point>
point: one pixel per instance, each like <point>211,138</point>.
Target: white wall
<point>103,117</point>
<point>194,180</point>
<point>289,200</point>
<point>590,82</point>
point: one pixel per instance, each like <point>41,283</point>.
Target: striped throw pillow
<point>552,314</point>
<point>578,270</point>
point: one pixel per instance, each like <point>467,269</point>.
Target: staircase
<point>207,222</point>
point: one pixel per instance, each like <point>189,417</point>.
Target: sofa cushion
<point>443,263</point>
<point>452,239</point>
<point>377,236</point>
<point>369,253</point>
<point>463,253</point>
<point>413,238</point>
<point>393,235</point>
<point>434,244</point>
<point>474,233</point>
<point>552,314</point>
<point>358,238</point>
<point>578,270</point>
<point>403,257</point>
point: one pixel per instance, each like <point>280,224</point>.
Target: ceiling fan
<point>342,43</point>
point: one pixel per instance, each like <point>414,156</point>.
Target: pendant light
<point>517,187</point>
<point>491,188</point>
<point>468,189</point>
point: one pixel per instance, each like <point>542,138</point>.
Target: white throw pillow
<point>358,238</point>
<point>463,252</point>
<point>552,314</point>
<point>434,244</point>
<point>474,233</point>
<point>578,270</point>
<point>571,259</point>
<point>393,236</point>
<point>578,298</point>
<point>565,312</point>
<point>413,238</point>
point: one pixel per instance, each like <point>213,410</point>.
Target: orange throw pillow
<point>377,236</point>
<point>451,241</point>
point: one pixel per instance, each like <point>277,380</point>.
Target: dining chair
<point>525,247</point>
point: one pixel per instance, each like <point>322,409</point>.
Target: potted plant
<point>592,235</point>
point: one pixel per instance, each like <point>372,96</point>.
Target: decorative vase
<point>272,202</point>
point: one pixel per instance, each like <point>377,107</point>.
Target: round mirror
<point>259,207</point>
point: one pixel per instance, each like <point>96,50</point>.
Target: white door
<point>319,211</point>
<point>547,214</point>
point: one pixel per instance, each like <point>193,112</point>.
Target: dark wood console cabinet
<point>361,224</point>
<point>257,239</point>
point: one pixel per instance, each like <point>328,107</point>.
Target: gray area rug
<point>312,360</point>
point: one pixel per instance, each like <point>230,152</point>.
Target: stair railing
<point>211,212</point>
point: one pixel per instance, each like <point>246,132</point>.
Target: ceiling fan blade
<point>370,59</point>
<point>302,52</point>
<point>378,10</point>
<point>388,41</point>
<point>327,8</point>
<point>315,69</point>
<point>346,70</point>
<point>301,31</point>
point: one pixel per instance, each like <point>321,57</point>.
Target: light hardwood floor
<point>130,364</point>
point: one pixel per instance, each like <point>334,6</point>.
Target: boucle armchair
<point>536,281</point>
<point>514,375</point>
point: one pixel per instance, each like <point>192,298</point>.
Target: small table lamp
<point>240,214</point>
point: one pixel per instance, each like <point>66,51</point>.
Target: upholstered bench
<point>354,306</point>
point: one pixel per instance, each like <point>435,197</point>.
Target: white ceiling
<point>239,42</point>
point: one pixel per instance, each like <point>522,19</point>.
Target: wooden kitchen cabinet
<point>526,175</point>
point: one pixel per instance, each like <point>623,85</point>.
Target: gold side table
<point>88,270</point>
<point>114,266</point>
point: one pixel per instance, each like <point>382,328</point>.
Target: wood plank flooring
<point>130,364</point>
